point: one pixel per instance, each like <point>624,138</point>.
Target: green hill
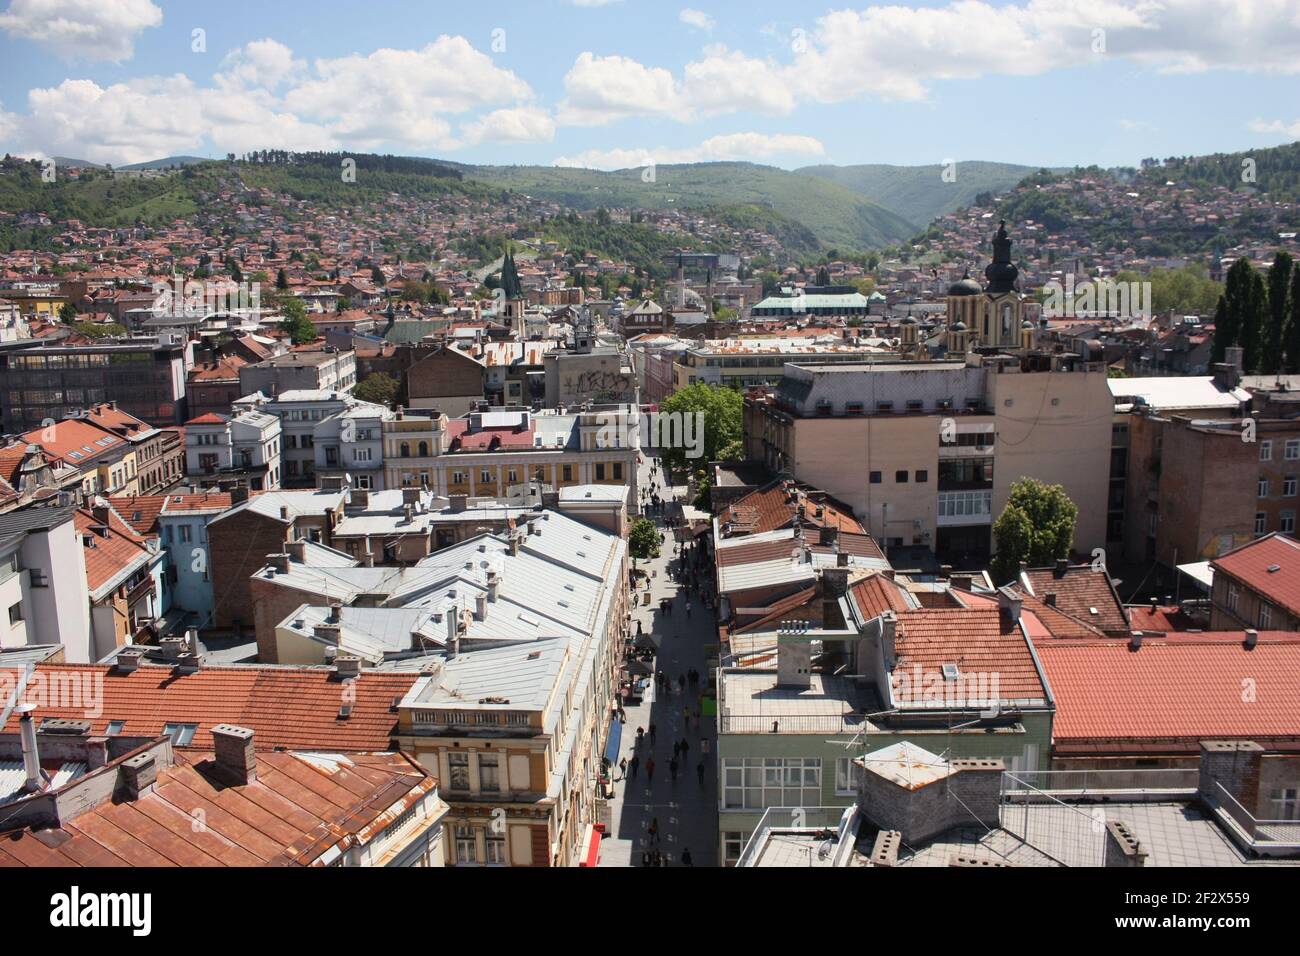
<point>1276,171</point>
<point>918,193</point>
<point>833,214</point>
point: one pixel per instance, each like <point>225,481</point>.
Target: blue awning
<point>615,738</point>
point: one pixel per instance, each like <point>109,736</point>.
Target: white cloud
<point>752,147</point>
<point>697,19</point>
<point>1276,127</point>
<point>524,124</point>
<point>898,53</point>
<point>82,29</point>
<point>603,88</point>
<point>401,96</point>
<point>262,64</point>
<point>153,117</point>
<point>262,96</point>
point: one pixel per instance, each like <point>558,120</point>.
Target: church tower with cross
<point>992,316</point>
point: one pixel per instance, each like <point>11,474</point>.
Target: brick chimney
<point>235,756</point>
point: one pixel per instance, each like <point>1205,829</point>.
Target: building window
<point>1289,486</point>
<point>16,614</point>
<point>1263,487</point>
<point>922,476</point>
<point>114,728</point>
<point>466,848</point>
<point>900,477</point>
<point>1286,803</point>
<point>1287,525</point>
<point>1265,615</point>
<point>489,773</point>
<point>875,478</point>
<point>844,776</point>
<point>485,476</point>
<point>1293,449</point>
<point>567,472</point>
<point>618,471</point>
<point>1232,597</point>
<point>758,783</point>
<point>1266,451</point>
<point>181,734</point>
<point>459,765</point>
<point>600,472</point>
<point>732,843</point>
<point>496,848</point>
<point>1261,522</point>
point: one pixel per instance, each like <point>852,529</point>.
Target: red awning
<point>591,844</point>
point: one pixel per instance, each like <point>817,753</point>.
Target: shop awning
<point>615,738</point>
<point>590,847</point>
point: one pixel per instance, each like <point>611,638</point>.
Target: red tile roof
<point>776,505</point>
<point>487,439</point>
<point>1178,687</point>
<point>875,595</point>
<point>1079,590</point>
<point>1251,562</point>
<point>211,418</point>
<point>287,707</point>
<point>295,810</point>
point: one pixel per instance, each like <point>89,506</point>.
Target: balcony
<point>141,591</point>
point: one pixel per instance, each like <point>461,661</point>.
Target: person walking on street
<point>688,608</point>
<point>686,856</point>
<point>652,734</point>
<point>650,769</point>
<point>633,764</point>
<point>677,748</point>
<point>672,768</point>
<point>681,684</point>
<point>653,830</point>
<point>622,768</point>
<point>686,746</point>
<point>640,732</point>
<point>699,771</point>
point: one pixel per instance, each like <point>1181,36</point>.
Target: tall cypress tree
<point>1279,282</point>
<point>1293,326</point>
<point>1253,321</point>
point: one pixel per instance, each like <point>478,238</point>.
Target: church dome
<point>965,286</point>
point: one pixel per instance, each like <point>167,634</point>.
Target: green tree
<point>643,539</point>
<point>378,387</point>
<point>281,280</point>
<point>1036,526</point>
<point>68,313</point>
<point>1279,284</point>
<point>1293,326</point>
<point>295,321</point>
<point>722,410</point>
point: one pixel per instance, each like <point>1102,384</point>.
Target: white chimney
<point>480,606</point>
<point>31,755</point>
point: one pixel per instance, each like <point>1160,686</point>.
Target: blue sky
<point>612,83</point>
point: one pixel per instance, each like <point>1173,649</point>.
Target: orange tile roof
<point>140,511</point>
<point>287,707</point>
<point>976,640</point>
<point>108,554</point>
<point>292,813</point>
<point>76,442</point>
<point>1251,562</point>
<point>1186,687</point>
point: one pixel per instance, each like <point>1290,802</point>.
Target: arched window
<point>424,449</point>
<point>406,450</point>
<point>1006,320</point>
